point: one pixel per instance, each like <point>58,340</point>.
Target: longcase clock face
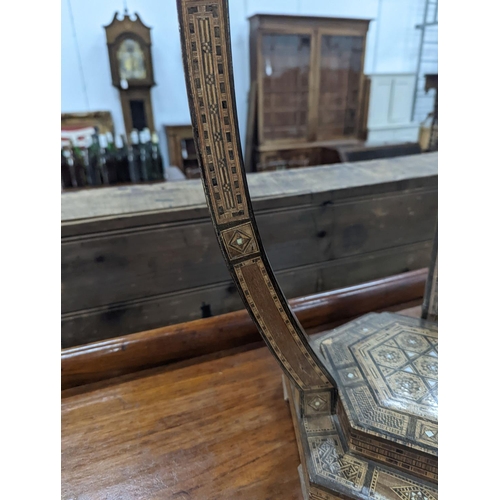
<point>131,60</point>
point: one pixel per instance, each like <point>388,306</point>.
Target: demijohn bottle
<point>80,169</point>
<point>134,156</point>
<point>149,155</point>
<point>156,157</point>
<point>111,159</point>
<point>67,177</point>
<point>122,168</point>
<point>94,160</point>
<point>103,167</point>
<point>144,139</point>
<point>85,151</point>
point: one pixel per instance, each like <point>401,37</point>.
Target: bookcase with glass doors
<point>308,92</point>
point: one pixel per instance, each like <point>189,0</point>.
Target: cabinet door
<point>340,72</point>
<point>284,71</point>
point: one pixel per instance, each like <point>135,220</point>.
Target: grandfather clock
<point>129,48</point>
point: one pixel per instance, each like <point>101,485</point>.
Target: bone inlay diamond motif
<point>317,403</point>
<point>239,241</point>
<point>397,390</point>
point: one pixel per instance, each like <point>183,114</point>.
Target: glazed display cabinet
<point>308,90</point>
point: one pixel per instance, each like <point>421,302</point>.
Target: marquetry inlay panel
<point>207,54</point>
<point>337,471</point>
<point>388,365</point>
<point>378,439</point>
<point>276,325</point>
<point>206,51</point>
<point>239,241</point>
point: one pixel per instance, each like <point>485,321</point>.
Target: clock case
<point>136,97</point>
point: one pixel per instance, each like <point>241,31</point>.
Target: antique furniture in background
<point>325,228</point>
<point>428,136</point>
<point>430,305</point>
<point>431,82</point>
<point>308,89</point>
<point>365,152</point>
<point>363,397</point>
<point>129,49</point>
<point>181,149</point>
<point>100,119</point>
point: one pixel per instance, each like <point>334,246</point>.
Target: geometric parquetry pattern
<point>369,412</point>
<point>341,468</point>
<point>209,66</point>
<point>403,360</point>
<point>388,366</point>
<point>412,493</point>
<point>239,241</point>
<point>427,432</point>
<point>389,485</point>
<point>331,463</point>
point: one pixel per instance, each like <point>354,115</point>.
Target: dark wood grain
<point>105,359</point>
<point>149,312</point>
<point>174,258</point>
<point>362,152</point>
<point>133,259</point>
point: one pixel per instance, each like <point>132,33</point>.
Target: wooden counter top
<point>208,428</point>
<point>184,200</point>
<point>219,429</point>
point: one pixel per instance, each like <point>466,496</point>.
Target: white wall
<point>392,47</point>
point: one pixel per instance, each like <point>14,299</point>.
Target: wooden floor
<point>210,428</point>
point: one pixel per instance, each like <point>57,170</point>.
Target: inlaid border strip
<point>205,41</point>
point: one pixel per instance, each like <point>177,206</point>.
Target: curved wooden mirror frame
<point>206,50</point>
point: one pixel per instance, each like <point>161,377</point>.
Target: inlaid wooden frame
<point>205,40</point>
<point>331,468</point>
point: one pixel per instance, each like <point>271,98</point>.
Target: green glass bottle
<point>111,159</point>
<point>67,172</point>
<point>122,166</point>
<point>134,157</point>
<point>80,168</point>
<point>103,166</point>
<point>94,161</point>
<point>156,158</point>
